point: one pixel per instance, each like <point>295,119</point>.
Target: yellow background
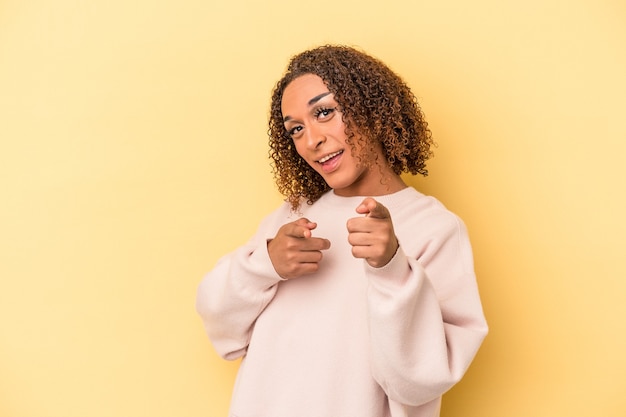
<point>133,154</point>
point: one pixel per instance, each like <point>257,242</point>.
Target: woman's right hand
<point>294,251</point>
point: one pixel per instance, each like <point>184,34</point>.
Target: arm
<point>422,342</point>
<point>233,295</point>
<point>426,321</point>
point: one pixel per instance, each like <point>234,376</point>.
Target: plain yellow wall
<point>133,154</point>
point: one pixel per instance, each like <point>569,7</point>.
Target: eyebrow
<point>318,98</point>
<point>310,103</point>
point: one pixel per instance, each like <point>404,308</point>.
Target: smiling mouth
<point>329,157</point>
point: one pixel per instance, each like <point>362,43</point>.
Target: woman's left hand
<point>372,236</point>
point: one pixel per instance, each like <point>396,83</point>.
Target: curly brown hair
<point>378,108</point>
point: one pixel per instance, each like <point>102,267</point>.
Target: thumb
<point>302,228</point>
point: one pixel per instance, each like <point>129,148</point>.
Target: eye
<point>323,112</point>
<point>294,131</point>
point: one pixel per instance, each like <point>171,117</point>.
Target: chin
<point>336,185</point>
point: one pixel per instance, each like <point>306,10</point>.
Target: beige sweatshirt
<point>350,340</point>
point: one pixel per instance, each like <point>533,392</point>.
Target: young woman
<point>357,297</point>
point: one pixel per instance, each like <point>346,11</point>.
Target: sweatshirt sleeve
<point>426,320</point>
<point>232,296</point>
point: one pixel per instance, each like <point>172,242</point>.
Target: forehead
<point>302,89</point>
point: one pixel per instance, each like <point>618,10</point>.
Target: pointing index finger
<point>372,208</point>
<point>301,228</point>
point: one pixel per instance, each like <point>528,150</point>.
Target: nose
<point>315,137</point>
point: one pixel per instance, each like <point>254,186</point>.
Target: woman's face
<point>311,116</point>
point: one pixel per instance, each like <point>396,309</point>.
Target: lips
<point>330,162</point>
<point>329,157</point>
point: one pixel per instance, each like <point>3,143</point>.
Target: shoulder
<point>420,208</point>
<point>426,221</point>
<point>279,216</point>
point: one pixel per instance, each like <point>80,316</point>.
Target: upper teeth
<point>327,157</point>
